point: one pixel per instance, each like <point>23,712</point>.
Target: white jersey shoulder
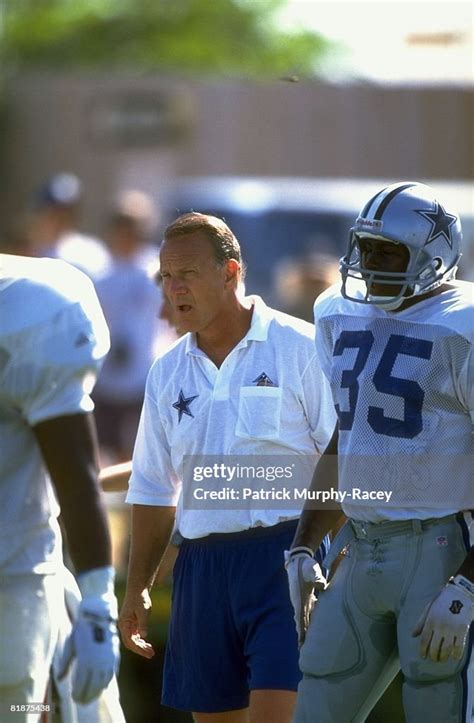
<point>53,335</point>
<point>453,308</point>
<point>331,302</point>
<point>40,287</point>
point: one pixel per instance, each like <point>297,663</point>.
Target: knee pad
<point>420,670</point>
<point>439,701</point>
<point>333,642</point>
<point>14,677</point>
<point>15,664</point>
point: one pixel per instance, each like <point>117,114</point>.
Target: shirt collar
<point>261,319</point>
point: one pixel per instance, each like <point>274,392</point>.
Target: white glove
<point>305,577</point>
<point>93,642</point>
<point>444,623</point>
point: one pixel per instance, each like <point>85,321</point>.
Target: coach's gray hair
<point>224,243</point>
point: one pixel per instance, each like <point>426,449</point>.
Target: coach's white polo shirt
<point>269,398</point>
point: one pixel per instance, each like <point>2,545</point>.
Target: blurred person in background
<point>53,227</point>
<point>131,302</point>
<point>53,339</point>
<point>298,282</point>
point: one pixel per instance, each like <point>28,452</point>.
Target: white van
<point>275,218</point>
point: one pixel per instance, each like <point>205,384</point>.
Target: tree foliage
<point>234,37</point>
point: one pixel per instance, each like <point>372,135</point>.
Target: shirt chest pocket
<point>259,413</point>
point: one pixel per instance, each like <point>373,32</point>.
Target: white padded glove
<point>93,644</point>
<point>444,623</point>
<point>305,578</point>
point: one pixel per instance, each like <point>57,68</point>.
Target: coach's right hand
<point>305,577</point>
<point>133,623</point>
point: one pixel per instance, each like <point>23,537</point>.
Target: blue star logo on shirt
<point>441,223</point>
<point>182,405</point>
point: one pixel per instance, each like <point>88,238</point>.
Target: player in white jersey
<point>241,390</point>
<point>397,350</point>
<point>53,338</point>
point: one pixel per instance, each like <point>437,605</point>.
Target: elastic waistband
<point>253,533</point>
<point>375,531</point>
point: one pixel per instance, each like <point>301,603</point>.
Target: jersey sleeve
<point>318,404</point>
<point>323,344</point>
<point>153,480</point>
<point>465,384</point>
<point>59,364</point>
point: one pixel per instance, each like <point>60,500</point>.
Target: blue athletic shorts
<point>231,627</point>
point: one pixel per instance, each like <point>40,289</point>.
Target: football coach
<point>242,381</point>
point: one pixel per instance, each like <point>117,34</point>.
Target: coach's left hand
<point>444,623</point>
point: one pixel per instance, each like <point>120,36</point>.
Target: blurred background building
<point>120,130</point>
<point>385,93</point>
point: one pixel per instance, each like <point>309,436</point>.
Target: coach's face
<point>198,288</point>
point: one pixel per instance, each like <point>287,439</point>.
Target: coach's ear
<point>233,273</point>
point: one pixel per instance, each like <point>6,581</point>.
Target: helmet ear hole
<point>437,263</point>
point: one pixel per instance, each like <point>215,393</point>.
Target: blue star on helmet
<point>182,405</point>
<point>441,223</point>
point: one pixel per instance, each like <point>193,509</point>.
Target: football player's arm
<point>69,448</point>
<point>151,532</point>
<point>305,578</point>
<point>314,524</point>
<point>319,409</point>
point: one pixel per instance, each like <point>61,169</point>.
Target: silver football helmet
<point>405,213</point>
